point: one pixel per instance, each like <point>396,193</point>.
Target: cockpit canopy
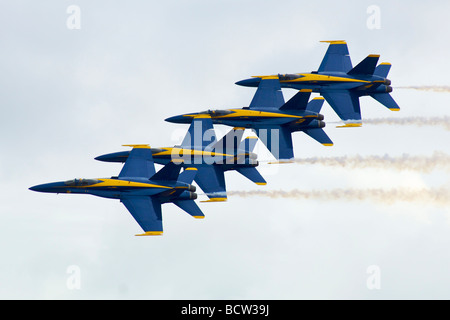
<point>288,76</point>
<point>216,113</point>
<point>80,182</point>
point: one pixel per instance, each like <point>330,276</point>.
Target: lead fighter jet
<point>341,84</point>
<point>271,118</point>
<point>139,188</point>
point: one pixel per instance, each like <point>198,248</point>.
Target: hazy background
<point>68,95</point>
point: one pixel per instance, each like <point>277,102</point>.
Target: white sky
<point>70,95</point>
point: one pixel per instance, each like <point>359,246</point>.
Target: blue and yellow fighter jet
<point>201,150</point>
<point>271,118</point>
<point>341,84</point>
<point>139,188</point>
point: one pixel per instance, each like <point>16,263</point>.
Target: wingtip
<point>334,41</point>
<point>215,200</point>
<point>150,233</point>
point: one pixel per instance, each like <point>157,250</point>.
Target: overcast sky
<point>69,95</point>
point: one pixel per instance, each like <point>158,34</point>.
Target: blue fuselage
<point>319,81</point>
<point>258,119</point>
<point>115,188</point>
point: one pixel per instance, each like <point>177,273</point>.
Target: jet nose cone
<point>175,119</point>
<point>34,188</point>
<point>252,82</point>
<point>47,187</point>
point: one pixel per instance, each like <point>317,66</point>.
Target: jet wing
<point>336,58</point>
<point>147,213</point>
<point>139,163</point>
<point>344,103</point>
<point>268,95</point>
<point>278,140</point>
<point>200,133</point>
<point>211,179</point>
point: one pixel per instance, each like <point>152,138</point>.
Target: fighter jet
<point>139,188</point>
<point>340,83</point>
<point>201,150</point>
<point>271,118</point>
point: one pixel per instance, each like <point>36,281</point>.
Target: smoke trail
<point>438,196</point>
<point>404,162</point>
<point>417,121</point>
<point>427,88</point>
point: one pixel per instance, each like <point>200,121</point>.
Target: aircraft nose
<point>46,187</point>
<point>252,82</point>
<point>35,188</point>
<point>175,119</point>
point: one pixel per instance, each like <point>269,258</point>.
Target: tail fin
<point>252,174</point>
<point>315,105</point>
<point>299,101</point>
<point>169,172</point>
<point>366,66</point>
<point>382,69</point>
<point>188,175</point>
<point>229,142</point>
<point>248,144</point>
<point>386,100</point>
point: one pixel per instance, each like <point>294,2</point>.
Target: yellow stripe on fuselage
<point>192,152</point>
<point>124,183</point>
<point>312,77</point>
<point>255,113</point>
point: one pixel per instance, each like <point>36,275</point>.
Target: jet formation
<point>204,159</point>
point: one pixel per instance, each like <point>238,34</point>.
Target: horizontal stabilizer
<point>299,101</point>
<point>386,100</point>
<point>315,105</point>
<point>169,172</point>
<point>188,175</point>
<point>252,174</point>
<point>366,67</point>
<point>382,70</point>
<point>319,135</point>
<point>190,207</point>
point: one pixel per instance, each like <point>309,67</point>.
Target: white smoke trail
<point>427,88</point>
<point>438,160</point>
<point>416,121</point>
<point>437,196</point>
